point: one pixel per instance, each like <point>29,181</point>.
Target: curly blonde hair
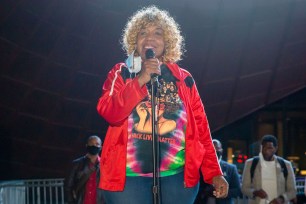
<point>174,41</point>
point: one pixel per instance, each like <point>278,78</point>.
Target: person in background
<point>231,175</point>
<point>183,132</point>
<point>82,181</point>
<point>272,180</point>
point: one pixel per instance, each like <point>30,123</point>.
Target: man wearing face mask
<point>81,184</point>
<point>231,175</point>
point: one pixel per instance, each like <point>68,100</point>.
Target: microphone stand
<point>155,143</point>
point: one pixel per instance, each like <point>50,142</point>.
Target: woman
<point>184,136</point>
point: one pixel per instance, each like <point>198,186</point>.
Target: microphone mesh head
<point>150,54</point>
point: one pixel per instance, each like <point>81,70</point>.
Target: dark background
<point>244,55</point>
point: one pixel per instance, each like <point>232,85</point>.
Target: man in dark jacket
<point>231,175</point>
<point>81,184</point>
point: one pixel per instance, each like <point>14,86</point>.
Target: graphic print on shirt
<point>171,126</point>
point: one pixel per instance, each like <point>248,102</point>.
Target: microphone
<point>149,55</point>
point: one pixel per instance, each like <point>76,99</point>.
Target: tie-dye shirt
<point>171,127</point>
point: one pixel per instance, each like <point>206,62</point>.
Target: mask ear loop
<point>133,64</point>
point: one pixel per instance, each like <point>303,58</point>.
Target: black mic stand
<point>155,143</point>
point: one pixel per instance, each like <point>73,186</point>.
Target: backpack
<point>279,159</point>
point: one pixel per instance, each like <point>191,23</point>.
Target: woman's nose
<point>150,36</point>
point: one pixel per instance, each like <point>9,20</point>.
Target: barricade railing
<point>300,185</point>
<point>51,191</point>
<point>37,191</point>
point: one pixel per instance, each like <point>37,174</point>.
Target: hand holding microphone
<point>150,68</point>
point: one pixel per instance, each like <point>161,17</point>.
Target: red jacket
<point>119,98</point>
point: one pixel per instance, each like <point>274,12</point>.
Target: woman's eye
<point>159,33</point>
<point>142,33</point>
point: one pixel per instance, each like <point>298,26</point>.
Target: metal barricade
<point>12,192</point>
<point>51,191</point>
<point>300,184</point>
<point>37,191</point>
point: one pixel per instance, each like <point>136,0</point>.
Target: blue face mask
<point>133,63</point>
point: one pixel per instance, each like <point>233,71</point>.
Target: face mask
<point>93,150</point>
<point>133,63</point>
